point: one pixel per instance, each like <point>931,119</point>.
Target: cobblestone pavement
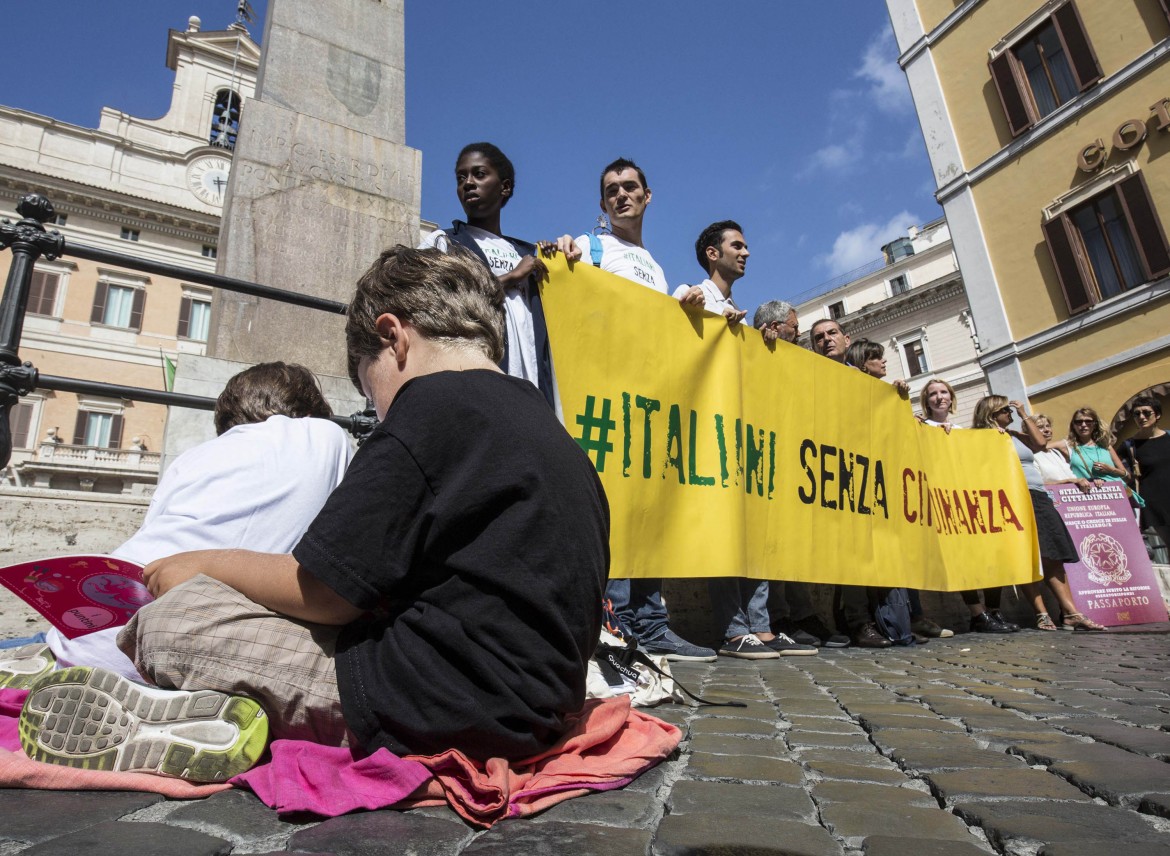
<point>1054,743</point>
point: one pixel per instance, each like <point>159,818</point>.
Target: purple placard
<point>1113,583</point>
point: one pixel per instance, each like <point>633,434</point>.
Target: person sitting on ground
<point>445,598</point>
<point>258,485</point>
<point>1056,545</point>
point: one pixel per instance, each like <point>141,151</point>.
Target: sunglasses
<point>1144,413</point>
<point>1002,410</point>
<point>1084,422</point>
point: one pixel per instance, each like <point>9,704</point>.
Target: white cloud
<point>879,68</point>
<point>863,243</point>
<point>833,158</point>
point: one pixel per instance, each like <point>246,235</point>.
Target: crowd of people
<point>443,590</point>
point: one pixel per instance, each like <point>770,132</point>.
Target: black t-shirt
<point>476,531</point>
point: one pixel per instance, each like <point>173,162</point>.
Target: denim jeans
<point>740,605</point>
<point>638,603</point>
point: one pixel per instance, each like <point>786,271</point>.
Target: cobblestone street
<point>1049,743</point>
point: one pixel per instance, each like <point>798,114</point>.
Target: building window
<point>914,353</point>
<point>101,430</point>
<point>42,295</point>
<point>194,318</point>
<point>1048,66</point>
<point>837,310</point>
<point>129,234</point>
<point>59,219</point>
<point>225,119</point>
<point>899,285</point>
<point>20,419</point>
<point>209,252</point>
<point>118,306</point>
<point>1108,244</point>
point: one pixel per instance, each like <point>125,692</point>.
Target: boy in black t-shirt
<point>444,598</point>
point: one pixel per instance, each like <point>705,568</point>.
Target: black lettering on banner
<point>809,497</point>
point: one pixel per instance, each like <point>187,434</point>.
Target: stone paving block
<point>888,845</point>
<point>368,833</point>
<point>237,816</point>
<point>890,708</point>
<point>929,721</point>
<point>1125,783</point>
<point>702,834</point>
<point>799,739</point>
<point>1097,848</point>
<point>853,823</point>
<point>926,759</point>
<point>733,725</point>
<point>652,779</point>
<point>114,838</point>
<point>609,808</point>
<point>892,738</point>
<point>1145,741</point>
<point>1024,783</point>
<point>857,773</point>
<point>690,797</point>
<point>1020,827</point>
<point>747,768</point>
<point>870,758</point>
<point>823,725</point>
<point>872,795</point>
<point>32,816</point>
<point>752,710</point>
<point>510,837</point>
<point>721,744</point>
<point>1007,724</point>
<point>1158,804</point>
<point>675,714</point>
<point>816,706</point>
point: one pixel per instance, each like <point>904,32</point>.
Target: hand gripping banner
<point>722,455</point>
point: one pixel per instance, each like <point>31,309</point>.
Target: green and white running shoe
<point>21,667</point>
<point>93,719</point>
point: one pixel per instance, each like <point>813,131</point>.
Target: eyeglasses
<point>1144,413</point>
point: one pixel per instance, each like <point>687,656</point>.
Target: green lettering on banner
<point>647,406</point>
<point>627,432</point>
<point>755,460</point>
<point>674,438</point>
<point>602,424</point>
<point>692,476</point>
<point>722,440</point>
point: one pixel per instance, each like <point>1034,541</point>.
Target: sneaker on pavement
<point>21,667</point>
<point>748,647</point>
<point>829,638</point>
<point>803,638</point>
<point>93,719</point>
<point>868,636</point>
<point>674,648</point>
<point>787,646</point>
<point>923,626</point>
<point>987,622</point>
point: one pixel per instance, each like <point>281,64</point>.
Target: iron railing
<point>29,240</point>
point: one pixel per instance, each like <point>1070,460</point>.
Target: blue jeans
<point>740,605</point>
<point>638,603</point>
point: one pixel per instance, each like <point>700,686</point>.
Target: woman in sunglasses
<point>1151,451</point>
<point>1056,545</point>
<point>1090,449</point>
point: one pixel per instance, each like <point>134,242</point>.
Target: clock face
<point>207,178</point>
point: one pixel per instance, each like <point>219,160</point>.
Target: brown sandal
<point>1044,622</point>
<point>1076,621</point>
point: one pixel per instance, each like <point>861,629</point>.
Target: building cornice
<point>927,41</point>
<point>901,305</point>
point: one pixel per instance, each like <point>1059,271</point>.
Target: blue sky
<point>791,118</point>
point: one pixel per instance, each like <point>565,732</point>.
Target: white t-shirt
<point>1054,467</point>
<point>255,487</point>
<point>626,260</point>
<point>503,258</point>
<point>713,299</point>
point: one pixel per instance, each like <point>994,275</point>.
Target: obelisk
<point>321,182</point>
<point>321,179</point>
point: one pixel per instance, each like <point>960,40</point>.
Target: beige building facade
<point>1047,126</point>
<point>914,305</point>
<point>149,188</point>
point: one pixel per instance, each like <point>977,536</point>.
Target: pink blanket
<point>607,746</point>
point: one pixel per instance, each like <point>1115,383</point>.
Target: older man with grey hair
<point>777,319</point>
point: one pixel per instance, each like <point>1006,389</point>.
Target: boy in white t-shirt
<point>484,182</point>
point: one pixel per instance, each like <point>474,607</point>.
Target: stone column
<point>321,180</point>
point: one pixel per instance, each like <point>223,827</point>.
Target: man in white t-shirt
<point>484,182</point>
<point>740,604</point>
<point>624,199</point>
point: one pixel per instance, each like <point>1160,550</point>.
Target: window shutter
<point>99,304</point>
<point>1010,95</point>
<point>115,432</point>
<point>1076,45</point>
<point>136,309</point>
<point>42,293</point>
<point>1069,270</point>
<point>185,318</point>
<point>1144,224</point>
<point>19,421</point>
<point>79,428</point>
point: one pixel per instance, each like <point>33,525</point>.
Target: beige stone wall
<point>40,523</point>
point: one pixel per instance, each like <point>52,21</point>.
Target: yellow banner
<point>725,456</point>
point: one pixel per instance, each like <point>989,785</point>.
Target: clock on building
<point>207,178</point>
